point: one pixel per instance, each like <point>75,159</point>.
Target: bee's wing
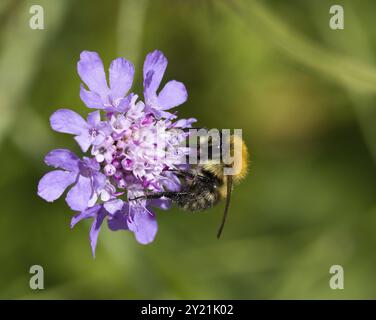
<point>228,198</point>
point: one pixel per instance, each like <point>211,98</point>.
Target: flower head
<point>134,147</point>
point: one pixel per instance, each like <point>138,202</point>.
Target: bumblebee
<point>205,184</point>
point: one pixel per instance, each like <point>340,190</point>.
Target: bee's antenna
<point>228,198</point>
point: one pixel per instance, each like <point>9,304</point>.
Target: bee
<point>205,184</point>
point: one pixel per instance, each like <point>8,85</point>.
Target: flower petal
<point>91,99</point>
<point>113,205</point>
<point>94,118</point>
<point>90,68</point>
<point>184,123</point>
<point>62,158</point>
<point>173,94</point>
<point>68,121</point>
<point>91,163</point>
<point>144,225</point>
<point>163,204</point>
<point>171,181</point>
<point>78,197</point>
<point>121,77</point>
<point>89,213</point>
<point>99,181</point>
<point>124,104</point>
<point>95,228</point>
<point>154,68</point>
<point>53,184</point>
<point>118,221</point>
<point>84,141</point>
<point>159,113</point>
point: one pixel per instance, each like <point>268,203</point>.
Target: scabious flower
<point>134,147</point>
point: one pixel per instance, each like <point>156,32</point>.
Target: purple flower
<point>183,123</point>
<point>121,216</point>
<point>173,93</point>
<point>87,133</point>
<point>133,151</point>
<point>100,96</point>
<point>140,220</point>
<point>98,213</point>
<point>84,174</point>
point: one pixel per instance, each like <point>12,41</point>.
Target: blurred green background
<point>305,97</point>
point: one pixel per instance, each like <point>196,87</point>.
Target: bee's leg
<point>168,194</point>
